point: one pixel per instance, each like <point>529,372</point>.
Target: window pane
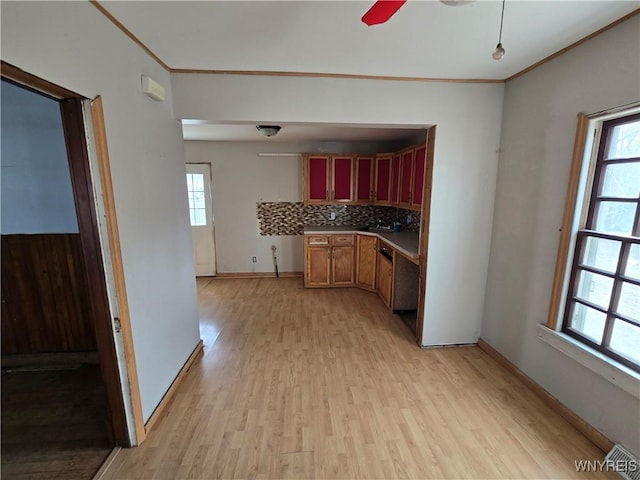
<point>190,194</point>
<point>632,270</point>
<point>621,180</point>
<point>198,182</point>
<point>625,340</point>
<point>189,181</point>
<point>192,217</point>
<point>625,141</point>
<point>594,288</point>
<point>615,217</point>
<point>588,322</point>
<point>198,199</point>
<point>629,302</point>
<point>601,253</point>
<point>201,217</point>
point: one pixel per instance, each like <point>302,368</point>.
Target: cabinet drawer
<point>343,239</point>
<point>318,240</point>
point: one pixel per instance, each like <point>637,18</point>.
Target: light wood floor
<point>326,383</point>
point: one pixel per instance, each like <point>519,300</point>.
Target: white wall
<point>468,131</point>
<point>36,184</point>
<point>74,45</point>
<point>539,124</point>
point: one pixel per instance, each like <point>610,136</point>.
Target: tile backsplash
<point>289,218</point>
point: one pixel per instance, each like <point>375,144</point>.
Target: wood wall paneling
<point>45,301</point>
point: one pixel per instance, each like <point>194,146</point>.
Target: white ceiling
<point>424,39</point>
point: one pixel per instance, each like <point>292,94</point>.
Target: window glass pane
<point>198,199</point>
<point>198,182</point>
<point>201,217</point>
<point>588,322</point>
<point>190,194</point>
<point>601,253</point>
<point>629,301</point>
<point>624,141</point>
<point>632,270</point>
<point>615,217</point>
<point>189,181</point>
<point>625,340</point>
<point>621,180</point>
<point>594,288</point>
<point>192,216</point>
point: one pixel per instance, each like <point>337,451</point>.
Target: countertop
<point>406,243</point>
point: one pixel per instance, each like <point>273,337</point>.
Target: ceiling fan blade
<point>381,11</point>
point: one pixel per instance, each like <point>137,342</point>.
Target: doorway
<point>55,415</point>
<point>201,218</point>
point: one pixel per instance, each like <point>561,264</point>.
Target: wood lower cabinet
<point>366,264</point>
<point>329,261</point>
<point>384,278</point>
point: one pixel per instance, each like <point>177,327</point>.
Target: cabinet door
<point>364,179</point>
<point>384,278</point>
<point>343,265</point>
<point>317,266</point>
<point>395,179</point>
<point>316,179</point>
<point>342,179</point>
<point>418,176</point>
<point>366,266</point>
<point>383,180</point>
<point>406,177</point>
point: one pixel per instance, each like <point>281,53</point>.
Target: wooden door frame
<point>75,133</point>
<point>425,215</point>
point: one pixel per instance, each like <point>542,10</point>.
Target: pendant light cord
<point>501,20</point>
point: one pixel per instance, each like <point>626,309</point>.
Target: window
<point>602,307</point>
<point>195,190</point>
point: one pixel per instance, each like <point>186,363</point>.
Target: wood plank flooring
<point>326,383</point>
<point>54,424</point>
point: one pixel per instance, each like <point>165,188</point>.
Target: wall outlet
<point>408,219</point>
<point>254,259</point>
<point>332,215</point>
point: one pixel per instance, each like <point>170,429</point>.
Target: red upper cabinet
<point>406,177</point>
<point>342,179</point>
<point>395,179</point>
<point>364,179</point>
<point>316,178</point>
<point>383,180</point>
<point>418,176</point>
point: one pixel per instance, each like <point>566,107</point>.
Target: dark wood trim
<point>425,215</point>
<point>598,439</point>
<point>573,45</point>
<point>102,152</point>
<point>128,33</point>
<point>75,139</point>
<point>168,397</point>
<point>60,358</point>
<point>20,77</point>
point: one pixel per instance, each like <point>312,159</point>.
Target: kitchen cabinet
<point>328,178</point>
<point>419,160</point>
<point>395,179</point>
<point>329,260</point>
<point>316,178</point>
<point>384,275</point>
<point>366,262</point>
<point>382,195</point>
<point>406,177</point>
<point>364,179</point>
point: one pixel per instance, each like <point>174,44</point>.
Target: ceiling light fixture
<point>268,130</point>
<point>499,52</point>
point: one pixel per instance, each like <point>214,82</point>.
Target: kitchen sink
<point>380,229</point>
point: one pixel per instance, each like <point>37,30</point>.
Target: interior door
<point>201,218</point>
